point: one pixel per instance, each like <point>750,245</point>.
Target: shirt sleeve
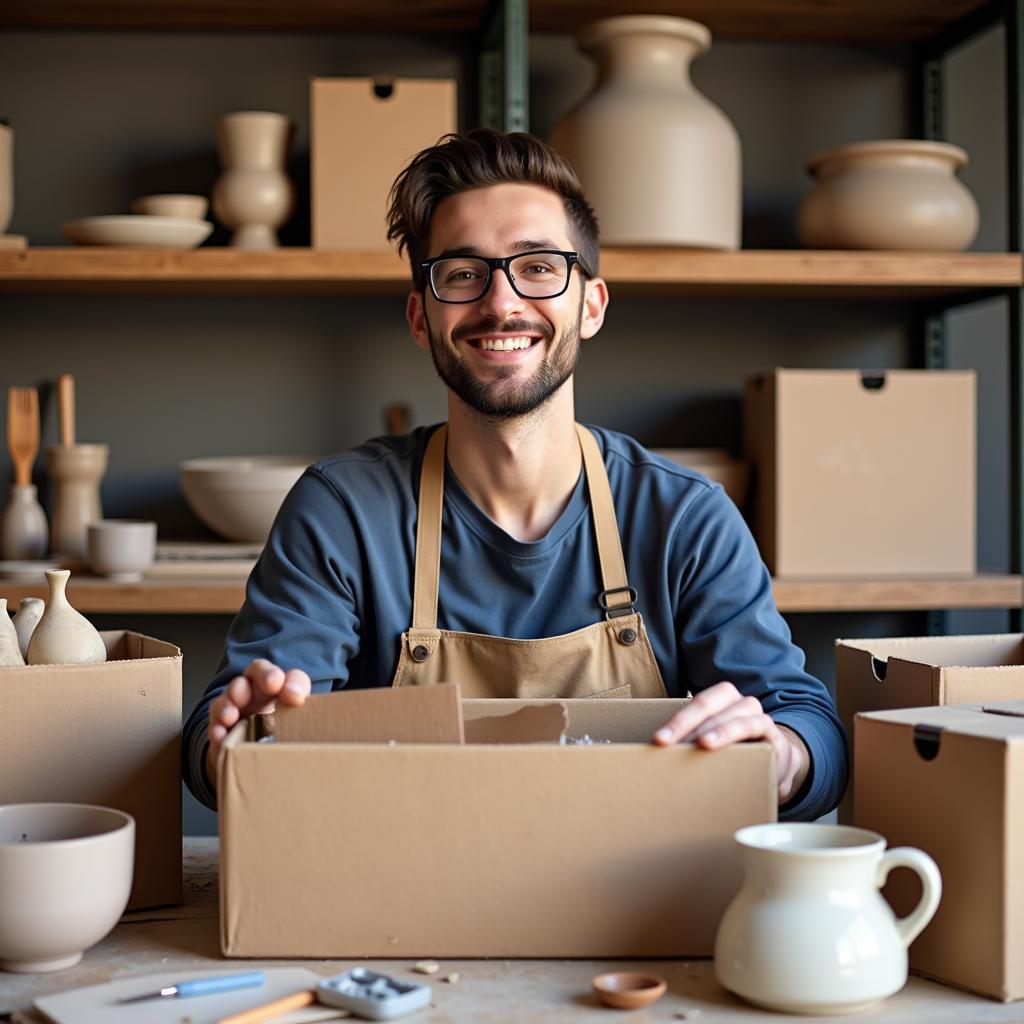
<point>729,629</point>
<point>299,609</point>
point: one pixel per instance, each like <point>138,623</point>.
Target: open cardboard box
<point>107,734</point>
<point>950,781</point>
<point>410,842</point>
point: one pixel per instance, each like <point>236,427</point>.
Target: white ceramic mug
<point>121,549</point>
<point>809,931</point>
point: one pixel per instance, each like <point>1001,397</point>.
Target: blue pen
<point>204,986</point>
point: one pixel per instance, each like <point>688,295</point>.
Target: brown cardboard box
<point>907,672</point>
<point>364,131</point>
<point>510,849</point>
<point>864,474</point>
<point>950,780</point>
<point>106,734</point>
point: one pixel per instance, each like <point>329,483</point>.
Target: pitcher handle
<point>910,927</point>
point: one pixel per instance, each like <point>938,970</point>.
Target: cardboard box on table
<point>907,672</point>
<point>863,474</point>
<point>509,844</point>
<point>363,132</point>
<point>950,780</point>
<point>107,734</point>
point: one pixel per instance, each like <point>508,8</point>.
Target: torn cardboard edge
<point>991,651</point>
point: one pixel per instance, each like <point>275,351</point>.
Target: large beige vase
<point>888,194</point>
<point>658,161</point>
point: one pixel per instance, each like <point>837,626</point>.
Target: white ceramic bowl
<point>65,876</point>
<point>237,496</point>
<point>172,204</point>
<point>137,231</point>
<point>121,549</point>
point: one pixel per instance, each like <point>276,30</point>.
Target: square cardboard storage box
<point>363,132</point>
<point>863,474</point>
<point>950,781</point>
<point>497,847</point>
<point>908,672</point>
<point>107,734</point>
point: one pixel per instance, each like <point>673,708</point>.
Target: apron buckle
<point>614,611</point>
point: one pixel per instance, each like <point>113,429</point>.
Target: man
<point>511,550</point>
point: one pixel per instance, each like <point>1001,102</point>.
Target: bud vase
<point>26,619</point>
<point>10,652</point>
<point>657,160</point>
<point>24,532</point>
<point>64,636</point>
<point>253,196</point>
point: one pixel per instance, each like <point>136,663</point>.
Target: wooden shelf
<point>211,596</point>
<point>893,21</point>
<point>752,273</point>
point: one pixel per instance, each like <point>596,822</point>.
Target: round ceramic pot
<point>657,160</point>
<point>889,194</point>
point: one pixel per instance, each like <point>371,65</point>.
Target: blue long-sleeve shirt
<point>332,592</point>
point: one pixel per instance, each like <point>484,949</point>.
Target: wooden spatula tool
<point>23,431</point>
<point>66,405</point>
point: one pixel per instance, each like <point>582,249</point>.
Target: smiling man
<point>511,549</point>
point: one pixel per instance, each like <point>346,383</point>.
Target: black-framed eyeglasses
<point>539,274</point>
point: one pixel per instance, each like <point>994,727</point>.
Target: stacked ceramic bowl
<point>167,221</point>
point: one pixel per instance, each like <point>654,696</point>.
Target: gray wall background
<point>102,117</point>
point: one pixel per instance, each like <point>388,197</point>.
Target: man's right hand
<point>253,693</point>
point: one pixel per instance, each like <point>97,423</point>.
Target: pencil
<point>257,1014</point>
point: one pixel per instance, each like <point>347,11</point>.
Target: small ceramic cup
<point>121,549</point>
<point>172,205</point>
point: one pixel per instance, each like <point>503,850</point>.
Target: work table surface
<point>186,938</point>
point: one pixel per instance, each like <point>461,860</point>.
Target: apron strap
<point>616,599</point>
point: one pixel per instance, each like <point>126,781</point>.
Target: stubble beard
<point>495,398</point>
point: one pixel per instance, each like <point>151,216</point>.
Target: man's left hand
<point>721,715</point>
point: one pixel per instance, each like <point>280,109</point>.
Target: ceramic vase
<point>253,196</point>
<point>6,175</point>
<point>889,194</point>
<point>24,531</point>
<point>76,471</point>
<point>658,161</point>
<point>10,651</point>
<point>63,636</point>
<point>26,618</point>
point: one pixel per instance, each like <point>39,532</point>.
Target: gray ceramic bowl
<point>65,876</point>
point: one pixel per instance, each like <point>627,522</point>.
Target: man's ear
<point>595,302</point>
<point>415,314</point>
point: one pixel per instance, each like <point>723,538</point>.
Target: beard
<point>499,397</point>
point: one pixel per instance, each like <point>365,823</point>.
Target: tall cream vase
<point>63,635</point>
<point>253,196</point>
<point>658,161</point>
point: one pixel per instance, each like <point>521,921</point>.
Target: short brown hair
<point>480,157</point>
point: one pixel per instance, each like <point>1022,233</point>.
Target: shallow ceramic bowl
<point>237,496</point>
<point>65,876</point>
<point>717,465</point>
<point>137,231</point>
<point>625,990</point>
<point>170,204</point>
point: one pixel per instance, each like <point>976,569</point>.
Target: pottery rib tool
<point>23,431</point>
<point>66,404</point>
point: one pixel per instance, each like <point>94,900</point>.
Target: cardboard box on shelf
<point>510,844</point>
<point>907,672</point>
<point>107,734</point>
<point>363,132</point>
<point>863,474</point>
<point>950,781</point>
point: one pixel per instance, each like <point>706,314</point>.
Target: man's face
<point>503,382</point>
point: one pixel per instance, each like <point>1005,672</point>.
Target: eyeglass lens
<point>535,275</point>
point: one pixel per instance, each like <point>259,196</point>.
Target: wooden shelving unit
<point>211,596</point>
<point>749,273</point>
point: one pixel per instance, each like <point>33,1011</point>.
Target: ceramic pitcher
<point>809,930</point>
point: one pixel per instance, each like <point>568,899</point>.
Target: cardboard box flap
<point>986,651</point>
<point>404,714</point>
<point>544,723</point>
<point>1002,720</point>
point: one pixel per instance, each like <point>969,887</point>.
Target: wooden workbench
<point>488,991</point>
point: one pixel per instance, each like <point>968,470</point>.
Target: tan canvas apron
<point>612,657</point>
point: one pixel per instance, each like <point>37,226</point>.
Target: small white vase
<point>26,619</point>
<point>888,194</point>
<point>64,636</point>
<point>10,651</point>
<point>658,161</point>
<point>24,531</point>
<point>253,196</point>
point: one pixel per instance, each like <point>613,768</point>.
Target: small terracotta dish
<point>624,990</point>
